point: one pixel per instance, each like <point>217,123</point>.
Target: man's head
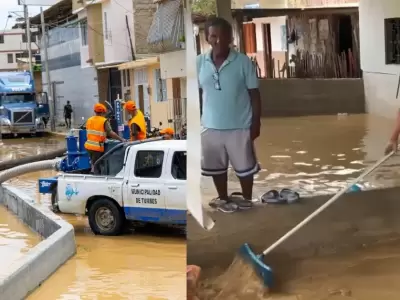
<point>219,34</point>
<point>167,133</point>
<point>100,109</point>
<point>68,102</point>
<point>130,107</point>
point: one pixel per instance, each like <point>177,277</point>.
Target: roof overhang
<point>140,63</point>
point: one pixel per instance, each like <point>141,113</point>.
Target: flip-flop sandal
<point>242,203</point>
<point>272,197</point>
<point>289,195</point>
<point>228,207</point>
<point>216,202</point>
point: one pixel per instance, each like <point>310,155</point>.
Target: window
<point>149,164</point>
<point>84,36</point>
<point>10,58</point>
<point>2,39</point>
<point>21,55</point>
<point>178,169</point>
<point>24,38</point>
<point>105,26</point>
<point>161,86</point>
<point>392,41</point>
<point>124,77</point>
<point>128,77</point>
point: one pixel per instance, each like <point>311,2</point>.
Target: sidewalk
<point>60,131</point>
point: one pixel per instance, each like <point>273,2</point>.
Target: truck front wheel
<point>105,218</point>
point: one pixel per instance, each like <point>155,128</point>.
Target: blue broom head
<point>261,269</point>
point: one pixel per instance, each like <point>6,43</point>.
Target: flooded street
<point>320,154</point>
<point>149,265</point>
<point>15,238</point>
<point>313,155</point>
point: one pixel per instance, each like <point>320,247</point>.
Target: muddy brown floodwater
<point>320,155</point>
<point>15,238</point>
<point>143,266</point>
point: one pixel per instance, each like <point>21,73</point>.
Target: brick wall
<point>143,17</point>
<point>299,97</point>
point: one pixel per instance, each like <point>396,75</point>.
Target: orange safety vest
<point>96,134</point>
<point>141,122</point>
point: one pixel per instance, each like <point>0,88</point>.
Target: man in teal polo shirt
<point>231,109</point>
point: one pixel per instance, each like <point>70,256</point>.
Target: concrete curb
<point>58,245</point>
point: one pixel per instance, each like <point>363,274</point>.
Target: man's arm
<point>396,131</point>
<point>199,60</point>
<point>135,129</point>
<point>111,133</point>
<point>201,101</point>
<point>255,97</point>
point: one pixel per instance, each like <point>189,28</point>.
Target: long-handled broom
<point>254,261</point>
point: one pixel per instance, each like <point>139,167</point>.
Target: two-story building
<point>14,46</point>
<point>380,55</point>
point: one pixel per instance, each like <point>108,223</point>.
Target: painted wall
<point>12,45</point>
<point>173,64</point>
<point>95,29</point>
<point>75,84</point>
<point>115,32</point>
<point>380,79</point>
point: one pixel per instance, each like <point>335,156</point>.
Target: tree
<point>205,7</point>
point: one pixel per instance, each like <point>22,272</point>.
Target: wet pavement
<point>148,264</point>
<point>315,156</point>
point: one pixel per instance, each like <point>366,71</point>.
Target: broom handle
<point>326,204</point>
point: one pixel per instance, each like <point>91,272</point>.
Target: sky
<point>7,6</point>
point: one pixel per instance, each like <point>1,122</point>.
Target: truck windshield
<point>17,98</point>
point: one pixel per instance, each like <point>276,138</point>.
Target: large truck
<point>22,109</point>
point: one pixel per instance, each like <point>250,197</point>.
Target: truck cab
<point>22,110</point>
<point>145,183</point>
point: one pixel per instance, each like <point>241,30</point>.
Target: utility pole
<point>28,36</point>
<point>46,66</point>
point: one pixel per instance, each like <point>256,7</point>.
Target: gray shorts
<point>221,147</point>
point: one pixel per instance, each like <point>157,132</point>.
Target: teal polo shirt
<point>228,107</point>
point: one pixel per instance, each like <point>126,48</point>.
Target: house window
<point>84,33</point>
<point>124,78</point>
<point>161,86</point>
<point>105,26</point>
<point>128,77</point>
<point>1,39</point>
<point>21,55</point>
<point>24,38</point>
<point>10,58</point>
<point>392,40</point>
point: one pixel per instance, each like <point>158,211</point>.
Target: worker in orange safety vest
<point>137,123</point>
<point>98,128</point>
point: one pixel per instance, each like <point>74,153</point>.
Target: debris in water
<point>239,282</point>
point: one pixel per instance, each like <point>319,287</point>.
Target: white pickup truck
<point>148,184</point>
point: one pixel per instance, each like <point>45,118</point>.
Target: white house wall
<point>173,64</point>
<point>74,84</point>
<point>116,37</point>
<point>380,80</point>
<point>12,45</point>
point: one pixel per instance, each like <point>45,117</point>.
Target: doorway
<point>267,45</point>
<point>141,96</point>
<point>345,34</point>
